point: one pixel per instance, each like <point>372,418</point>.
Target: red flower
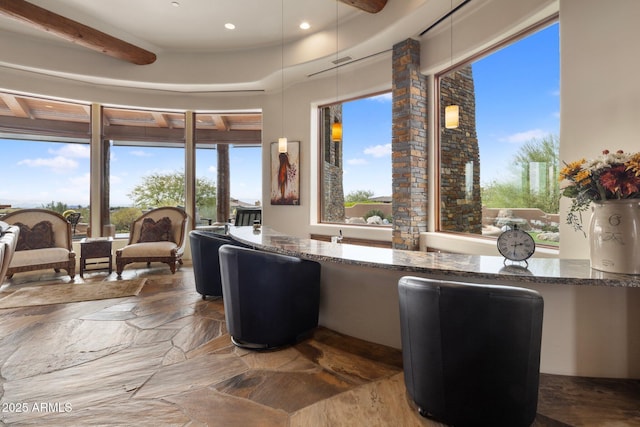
<point>618,181</point>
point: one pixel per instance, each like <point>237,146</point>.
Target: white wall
<point>600,91</point>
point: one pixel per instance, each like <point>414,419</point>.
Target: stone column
<point>223,190</point>
<point>409,146</point>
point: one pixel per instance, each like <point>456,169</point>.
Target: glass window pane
<point>45,146</point>
<point>499,166</point>
<point>233,142</point>
<point>356,171</point>
<point>146,165</point>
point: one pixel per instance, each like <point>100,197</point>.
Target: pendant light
<point>451,116</point>
<point>336,126</point>
<point>282,141</point>
<point>451,112</point>
<point>336,131</point>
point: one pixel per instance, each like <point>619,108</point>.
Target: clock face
<point>516,245</point>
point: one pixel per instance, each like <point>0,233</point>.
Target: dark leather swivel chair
<point>206,264</point>
<point>471,353</point>
<point>270,300</point>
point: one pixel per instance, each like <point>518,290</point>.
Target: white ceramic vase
<point>614,236</point>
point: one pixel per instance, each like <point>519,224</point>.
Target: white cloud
<point>80,181</point>
<point>357,162</point>
<point>213,170</point>
<point>380,150</point>
<point>385,97</point>
<point>57,164</point>
<point>80,151</point>
<point>520,137</point>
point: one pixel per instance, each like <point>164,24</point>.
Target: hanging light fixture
<point>336,130</point>
<point>282,141</point>
<point>336,126</point>
<point>451,116</point>
<point>451,112</point>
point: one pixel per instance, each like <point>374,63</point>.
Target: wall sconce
<point>452,116</point>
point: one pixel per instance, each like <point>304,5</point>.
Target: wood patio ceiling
<point>24,115</point>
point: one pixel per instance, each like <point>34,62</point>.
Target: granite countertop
<point>453,266</point>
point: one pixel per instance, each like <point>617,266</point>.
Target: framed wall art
<point>285,174</point>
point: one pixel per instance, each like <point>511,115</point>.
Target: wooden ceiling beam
<point>75,32</point>
<point>18,107</point>
<point>220,122</point>
<point>371,6</point>
<point>161,119</point>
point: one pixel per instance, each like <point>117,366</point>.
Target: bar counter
<point>452,266</point>
<point>591,319</point>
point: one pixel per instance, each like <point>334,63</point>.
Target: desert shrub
<point>374,212</point>
<point>122,218</point>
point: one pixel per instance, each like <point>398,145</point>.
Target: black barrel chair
<point>206,264</point>
<point>471,353</point>
<point>270,300</point>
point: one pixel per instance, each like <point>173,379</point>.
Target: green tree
<point>167,189</point>
<point>518,192</point>
<point>358,196</point>
<point>123,217</point>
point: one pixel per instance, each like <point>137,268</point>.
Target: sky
<point>517,99</point>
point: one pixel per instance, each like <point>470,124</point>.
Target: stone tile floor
<point>164,358</point>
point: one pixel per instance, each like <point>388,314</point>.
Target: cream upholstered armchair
<point>44,242</point>
<point>8,241</point>
<point>157,236</point>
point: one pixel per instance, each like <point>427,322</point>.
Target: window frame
<point>438,121</point>
<point>321,156</point>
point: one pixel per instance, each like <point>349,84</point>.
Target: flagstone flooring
<point>164,358</point>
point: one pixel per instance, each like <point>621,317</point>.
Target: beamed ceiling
<point>152,45</point>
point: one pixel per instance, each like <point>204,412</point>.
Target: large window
<point>146,162</point>
<point>45,156</point>
<point>46,146</point>
<point>499,165</point>
<point>356,169</point>
<point>238,161</point>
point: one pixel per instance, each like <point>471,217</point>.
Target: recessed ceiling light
<point>175,4</point>
<point>229,26</point>
<point>304,25</point>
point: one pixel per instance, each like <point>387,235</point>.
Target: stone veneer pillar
<point>223,188</point>
<point>409,146</point>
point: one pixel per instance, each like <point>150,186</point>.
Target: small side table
<point>96,248</point>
